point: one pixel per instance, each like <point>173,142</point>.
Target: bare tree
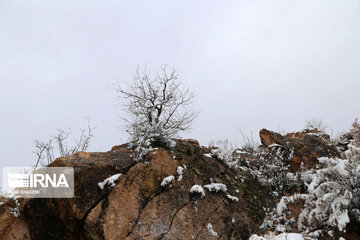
<point>157,106</point>
<point>45,151</point>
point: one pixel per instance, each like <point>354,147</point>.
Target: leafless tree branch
<point>44,151</point>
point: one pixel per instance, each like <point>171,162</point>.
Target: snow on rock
<point>172,143</point>
<point>111,181</point>
<point>282,236</point>
<point>179,171</point>
<point>256,237</point>
<point>167,180</point>
<point>216,187</point>
<point>207,155</point>
<point>233,198</point>
<point>198,189</point>
<point>274,145</point>
<point>211,230</point>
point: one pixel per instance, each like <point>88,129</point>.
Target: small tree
<point>158,107</point>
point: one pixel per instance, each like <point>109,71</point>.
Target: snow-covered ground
<point>282,236</point>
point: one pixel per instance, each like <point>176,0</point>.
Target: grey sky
<point>253,64</point>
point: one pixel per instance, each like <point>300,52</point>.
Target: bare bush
<point>249,144</point>
<point>58,145</point>
<point>316,124</point>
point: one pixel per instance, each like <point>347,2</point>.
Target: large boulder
<point>138,207</point>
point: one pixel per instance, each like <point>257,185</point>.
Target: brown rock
<point>11,227</point>
<point>308,147</point>
<point>137,207</point>
<point>62,218</point>
<point>268,137</point>
<point>128,197</point>
<point>301,147</point>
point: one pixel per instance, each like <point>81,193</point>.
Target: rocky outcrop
<point>303,148</point>
<point>138,207</point>
<point>269,138</point>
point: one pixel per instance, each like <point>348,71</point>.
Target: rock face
<point>11,227</point>
<point>303,147</point>
<point>63,218</point>
<point>138,207</point>
<point>269,137</point>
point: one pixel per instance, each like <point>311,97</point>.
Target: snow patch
<point>233,198</point>
<point>211,230</point>
<point>179,171</point>
<point>167,180</point>
<point>216,187</point>
<point>110,181</point>
<point>198,189</point>
<point>171,143</point>
<point>282,236</point>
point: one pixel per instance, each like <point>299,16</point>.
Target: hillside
<point>194,192</point>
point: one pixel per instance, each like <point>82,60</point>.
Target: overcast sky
<point>253,64</point>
